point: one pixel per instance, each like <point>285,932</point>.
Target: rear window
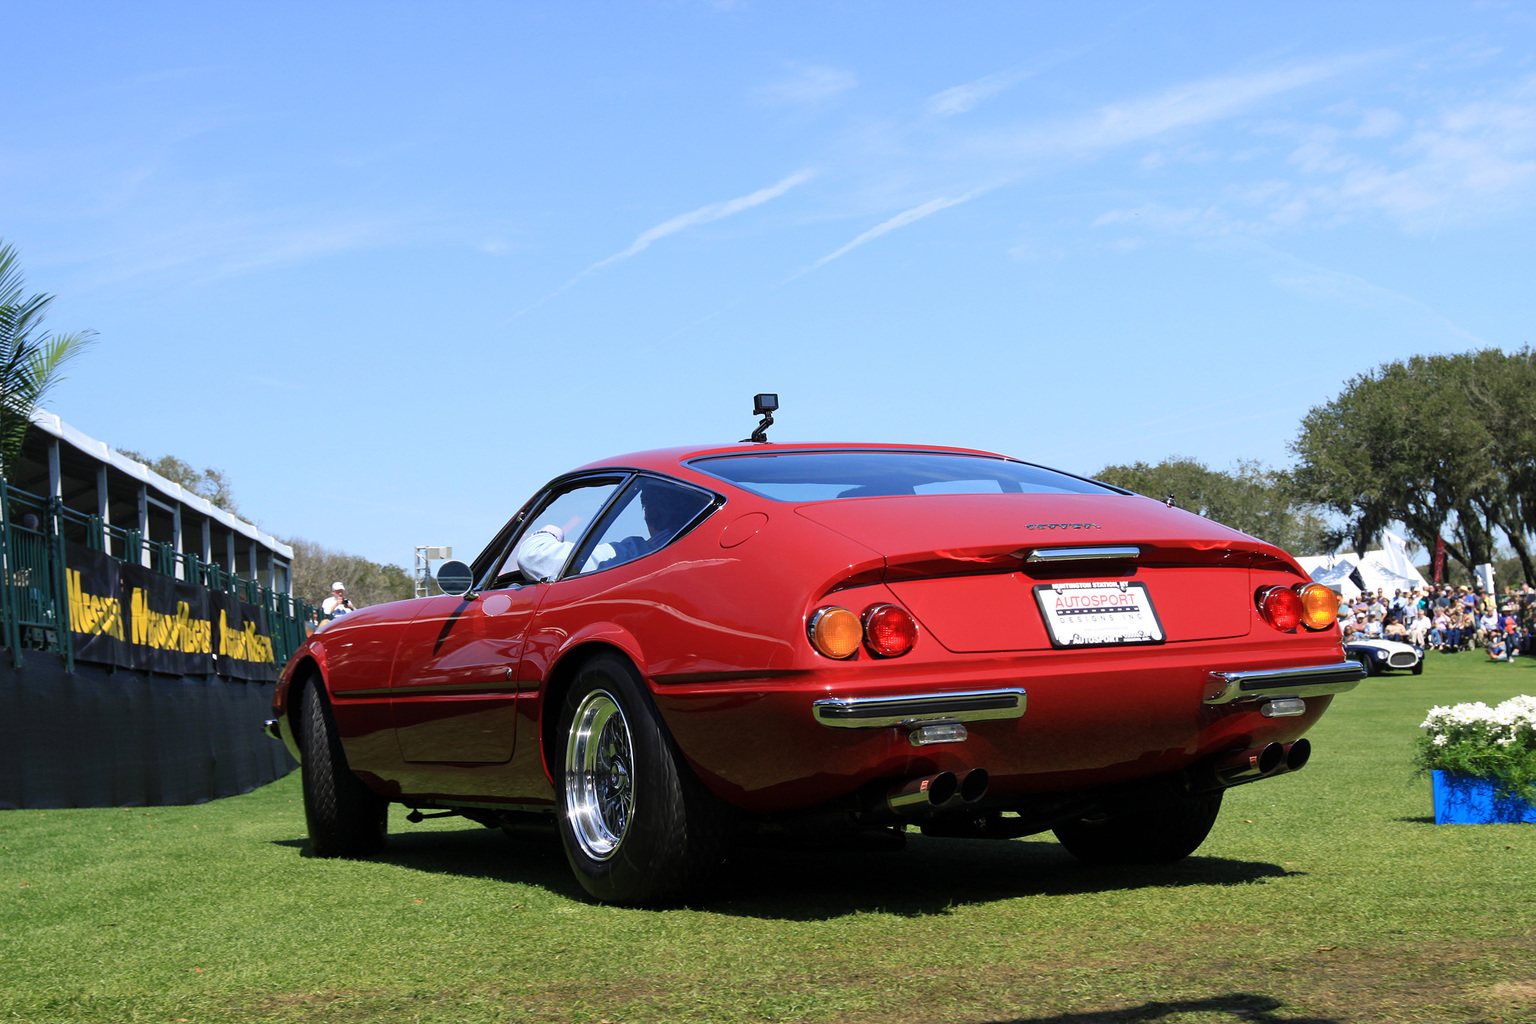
<point>823,475</point>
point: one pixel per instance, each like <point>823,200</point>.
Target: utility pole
<point>425,556</point>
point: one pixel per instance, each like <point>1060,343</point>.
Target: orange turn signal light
<point>835,632</point>
<point>1319,605</point>
<point>1312,605</point>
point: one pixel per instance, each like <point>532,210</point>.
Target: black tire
<point>345,817</point>
<point>1366,662</point>
<point>1159,835</point>
<point>1418,667</point>
<point>638,827</point>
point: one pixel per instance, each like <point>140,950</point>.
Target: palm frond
<point>30,360</point>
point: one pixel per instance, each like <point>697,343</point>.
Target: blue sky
<point>392,266</point>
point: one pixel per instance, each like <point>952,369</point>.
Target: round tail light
<point>835,631</point>
<point>888,630</point>
<point>1319,605</point>
<point>1281,607</point>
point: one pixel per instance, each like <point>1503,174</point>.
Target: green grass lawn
<point>1328,895</point>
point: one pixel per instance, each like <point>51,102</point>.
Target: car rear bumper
<point>794,740</point>
<point>913,708</point>
<point>1269,684</point>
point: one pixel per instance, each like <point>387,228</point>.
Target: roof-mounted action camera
<point>764,406</point>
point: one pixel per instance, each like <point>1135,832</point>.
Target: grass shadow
<point>933,876</point>
<point>476,852</point>
<point>1239,1006</point>
<point>814,883</point>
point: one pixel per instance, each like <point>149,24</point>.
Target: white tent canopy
<point>1335,571</point>
<point>1387,569</point>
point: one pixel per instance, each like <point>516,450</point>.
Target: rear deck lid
<point>960,563</point>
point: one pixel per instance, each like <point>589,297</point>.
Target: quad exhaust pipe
<point>942,791</point>
<point>948,791</point>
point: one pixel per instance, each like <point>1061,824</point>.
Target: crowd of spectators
<point>1447,618</point>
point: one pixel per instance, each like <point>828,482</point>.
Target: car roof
<point>670,459</point>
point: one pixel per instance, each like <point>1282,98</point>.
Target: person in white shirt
<point>1418,630</point>
<point>337,604</point>
<point>541,554</point>
<point>1487,627</point>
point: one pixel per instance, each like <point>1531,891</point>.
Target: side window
<point>552,531</point>
<point>649,515</point>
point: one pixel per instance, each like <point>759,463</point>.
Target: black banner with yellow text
<point>243,641</point>
<point>132,617</point>
<point>96,614</point>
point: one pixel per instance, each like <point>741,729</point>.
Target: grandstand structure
<point>110,493</point>
<point>144,629</point>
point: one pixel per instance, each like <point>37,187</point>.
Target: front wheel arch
<point>305,674</point>
<point>343,816</point>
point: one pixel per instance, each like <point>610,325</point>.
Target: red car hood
<point>923,535</point>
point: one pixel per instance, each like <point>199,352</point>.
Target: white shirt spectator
<point>541,554</point>
<point>337,604</point>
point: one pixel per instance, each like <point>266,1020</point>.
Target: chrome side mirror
<point>455,578</point>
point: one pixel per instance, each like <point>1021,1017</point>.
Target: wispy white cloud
<point>807,85</point>
<point>704,215</point>
<point>1196,103</point>
<point>1009,154</point>
<point>1208,220</point>
<point>901,220</point>
<point>1143,118</point>
<point>963,98</point>
<point>214,248</point>
<point>1310,279</point>
<point>1463,162</point>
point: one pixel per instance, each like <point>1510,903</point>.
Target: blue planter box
<point>1464,800</point>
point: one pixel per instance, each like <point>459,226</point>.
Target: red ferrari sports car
<point>664,651</point>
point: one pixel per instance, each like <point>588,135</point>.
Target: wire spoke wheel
<point>599,776</point>
<point>637,825</point>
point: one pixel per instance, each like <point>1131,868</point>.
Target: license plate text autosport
<point>1098,614</point>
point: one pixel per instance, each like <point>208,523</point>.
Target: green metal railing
<point>34,595</point>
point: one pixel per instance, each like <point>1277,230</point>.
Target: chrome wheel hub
<point>599,785</point>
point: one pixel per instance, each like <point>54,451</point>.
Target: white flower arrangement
<point>1498,743</point>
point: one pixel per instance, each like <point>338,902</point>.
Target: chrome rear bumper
<point>1266,684</point>
<point>881,712</point>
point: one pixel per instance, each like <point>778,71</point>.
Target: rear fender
<point>591,639</point>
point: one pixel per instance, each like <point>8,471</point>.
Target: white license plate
<point>1099,614</point>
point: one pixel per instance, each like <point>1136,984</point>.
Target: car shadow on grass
<point>810,882</point>
<point>822,881</point>
<point>1238,1006</point>
<point>933,876</point>
<point>534,858</point>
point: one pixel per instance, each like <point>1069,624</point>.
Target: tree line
<point>1251,498</point>
<point>1444,444</point>
<point>314,566</point>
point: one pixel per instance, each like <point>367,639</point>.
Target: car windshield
<point>824,475</point>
